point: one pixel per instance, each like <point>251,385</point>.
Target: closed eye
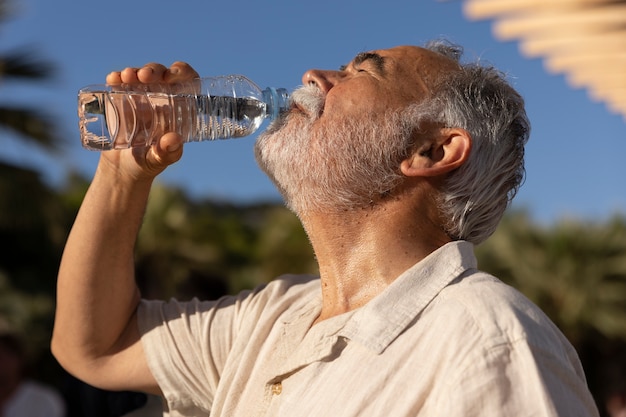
<point>376,60</point>
<point>366,59</point>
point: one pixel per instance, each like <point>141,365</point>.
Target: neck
<point>360,252</point>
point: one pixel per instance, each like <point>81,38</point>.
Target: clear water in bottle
<point>121,119</point>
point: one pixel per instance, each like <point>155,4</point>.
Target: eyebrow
<point>378,60</point>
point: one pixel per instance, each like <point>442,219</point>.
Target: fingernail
<point>150,70</point>
<point>174,147</point>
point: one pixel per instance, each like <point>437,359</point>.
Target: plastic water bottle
<point>132,115</point>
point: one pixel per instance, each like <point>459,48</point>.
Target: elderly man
<point>397,164</point>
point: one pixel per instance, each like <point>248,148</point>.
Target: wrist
<point>119,187</point>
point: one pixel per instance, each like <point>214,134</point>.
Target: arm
<point>95,334</point>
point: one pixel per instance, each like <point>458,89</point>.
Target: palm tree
<point>21,64</point>
<point>33,220</point>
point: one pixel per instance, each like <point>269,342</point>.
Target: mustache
<point>310,99</point>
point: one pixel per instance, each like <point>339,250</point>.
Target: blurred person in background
<point>21,396</point>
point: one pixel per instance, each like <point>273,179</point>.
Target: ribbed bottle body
<point>118,117</point>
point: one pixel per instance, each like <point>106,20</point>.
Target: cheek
<point>364,102</point>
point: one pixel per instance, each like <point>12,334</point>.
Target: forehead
<point>416,61</point>
<point>408,53</point>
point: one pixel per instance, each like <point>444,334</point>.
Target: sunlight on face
<point>349,164</point>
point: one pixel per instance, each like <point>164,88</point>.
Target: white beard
<point>351,164</point>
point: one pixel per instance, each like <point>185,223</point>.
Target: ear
<point>448,151</point>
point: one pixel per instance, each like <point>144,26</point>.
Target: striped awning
<point>583,39</point>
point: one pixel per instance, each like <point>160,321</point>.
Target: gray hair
<point>480,100</point>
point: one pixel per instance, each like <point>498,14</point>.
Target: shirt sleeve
<point>185,359</point>
<point>521,380</point>
<point>189,344</point>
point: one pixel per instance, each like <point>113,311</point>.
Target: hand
<point>146,163</point>
<point>153,73</point>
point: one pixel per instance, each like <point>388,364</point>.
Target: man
<point>396,165</point>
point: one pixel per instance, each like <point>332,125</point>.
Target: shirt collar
<point>380,321</point>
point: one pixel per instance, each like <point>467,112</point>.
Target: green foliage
<point>26,310</point>
<point>23,64</point>
<point>33,228</point>
<point>226,245</point>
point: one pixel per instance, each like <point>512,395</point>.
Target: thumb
<point>167,150</point>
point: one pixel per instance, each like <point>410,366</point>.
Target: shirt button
<point>277,388</point>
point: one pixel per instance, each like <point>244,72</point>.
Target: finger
<point>114,78</point>
<point>151,73</point>
<point>129,75</point>
<point>179,71</point>
<point>165,152</point>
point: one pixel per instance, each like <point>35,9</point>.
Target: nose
<point>323,79</point>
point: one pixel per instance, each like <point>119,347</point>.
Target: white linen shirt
<point>444,339</point>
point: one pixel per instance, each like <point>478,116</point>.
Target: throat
<point>361,252</point>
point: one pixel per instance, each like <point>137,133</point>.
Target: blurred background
<point>216,225</point>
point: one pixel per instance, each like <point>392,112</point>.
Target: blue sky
<point>575,159</point>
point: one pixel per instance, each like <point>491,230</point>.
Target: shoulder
<point>279,294</point>
<point>288,286</point>
<point>498,314</point>
<point>500,344</point>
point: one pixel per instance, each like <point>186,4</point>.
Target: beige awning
<point>583,39</point>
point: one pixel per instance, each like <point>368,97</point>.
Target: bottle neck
<point>276,100</point>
